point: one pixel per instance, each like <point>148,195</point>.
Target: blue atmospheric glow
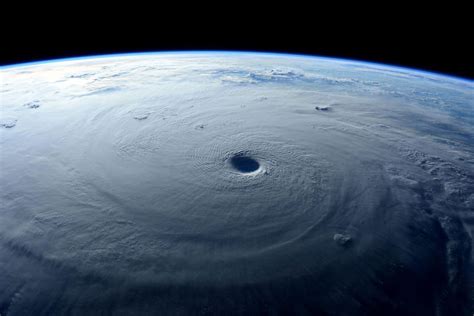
<point>223,52</point>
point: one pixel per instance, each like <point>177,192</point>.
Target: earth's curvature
<point>234,184</point>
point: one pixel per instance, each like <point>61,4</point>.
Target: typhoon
<point>232,183</point>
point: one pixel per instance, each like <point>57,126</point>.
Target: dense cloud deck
<point>234,184</point>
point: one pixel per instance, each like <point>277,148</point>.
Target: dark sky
<point>432,43</point>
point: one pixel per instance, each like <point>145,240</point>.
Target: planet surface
<point>233,183</point>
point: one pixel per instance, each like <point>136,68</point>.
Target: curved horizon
<point>176,52</point>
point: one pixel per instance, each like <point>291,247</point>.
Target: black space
<point>418,40</point>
